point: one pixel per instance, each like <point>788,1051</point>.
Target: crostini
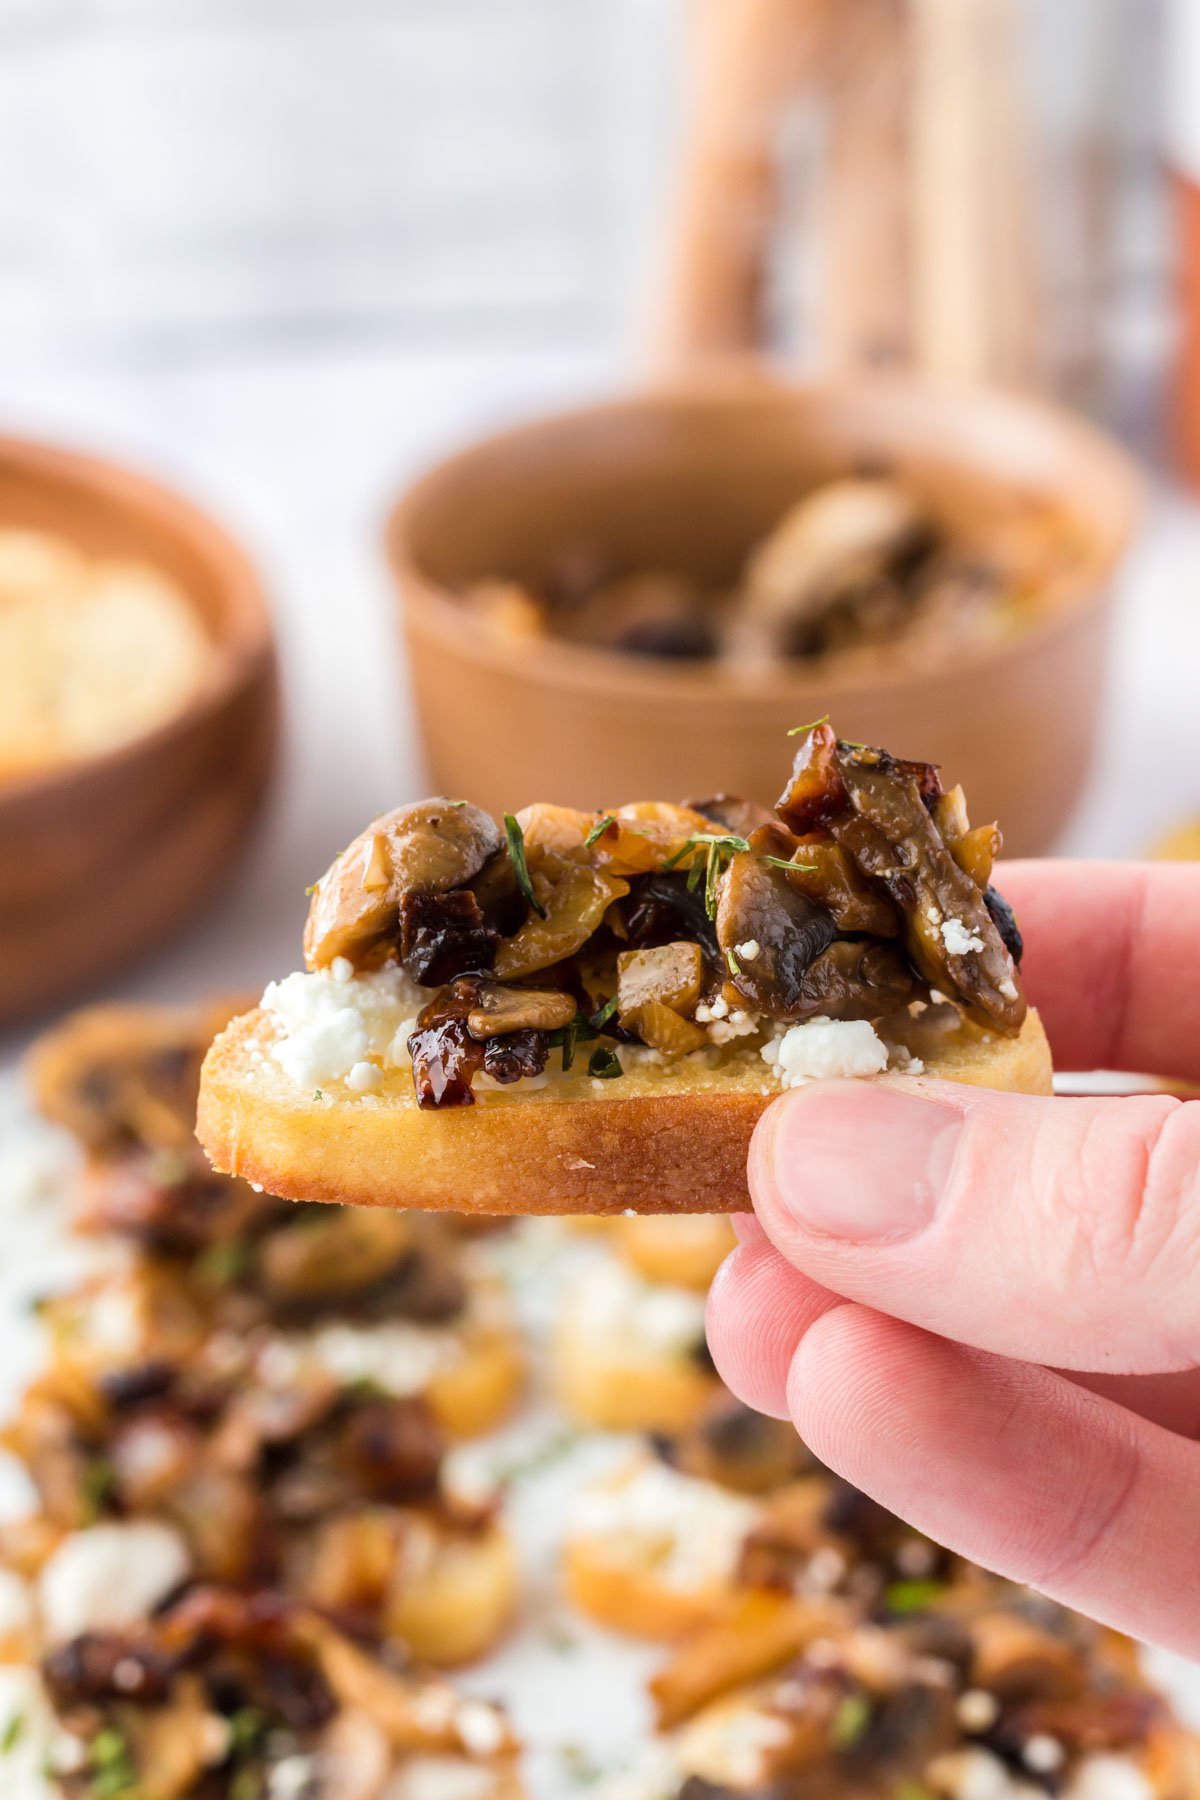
<point>588,1012</point>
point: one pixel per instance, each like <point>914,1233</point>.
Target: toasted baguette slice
<point>665,1138</point>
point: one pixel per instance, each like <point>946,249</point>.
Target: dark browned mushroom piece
<point>757,905</point>
<point>431,847</point>
<point>948,930</point>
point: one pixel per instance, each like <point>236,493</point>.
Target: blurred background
<point>279,253</point>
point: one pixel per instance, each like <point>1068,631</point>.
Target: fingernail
<point>859,1161</point>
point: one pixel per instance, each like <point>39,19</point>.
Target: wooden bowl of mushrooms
<point>138,716</point>
<point>640,599</point>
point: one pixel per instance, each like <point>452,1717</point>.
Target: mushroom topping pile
<point>675,927</point>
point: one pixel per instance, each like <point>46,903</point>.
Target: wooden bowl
<point>691,477</point>
<point>101,858</point>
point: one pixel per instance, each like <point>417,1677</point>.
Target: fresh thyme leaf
<point>224,1263</point>
<point>456,804</point>
<point>912,1596</point>
<point>604,1064</point>
<point>318,1093</point>
<point>780,862</point>
<point>850,1721</point>
<point>111,1765</point>
<point>247,1728</point>
<point>516,851</point>
<point>734,966</point>
<point>570,1036</point>
<point>96,1486</point>
<point>799,730</point>
<point>581,1766</point>
<point>599,1020</point>
<point>598,830</point>
<point>14,1731</point>
<point>709,850</point>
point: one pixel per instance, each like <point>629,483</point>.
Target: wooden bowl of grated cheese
<point>138,716</point>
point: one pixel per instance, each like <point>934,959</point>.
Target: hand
<point>927,1258</point>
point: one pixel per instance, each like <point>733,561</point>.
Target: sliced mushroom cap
<point>429,847</point>
<point>758,904</point>
<point>498,1009</point>
<point>575,897</point>
<point>948,931</point>
<point>845,531</point>
<point>824,871</point>
<point>731,813</point>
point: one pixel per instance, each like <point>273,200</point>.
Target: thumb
<point>1059,1231</point>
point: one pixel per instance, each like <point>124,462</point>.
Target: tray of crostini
<point>316,1503</point>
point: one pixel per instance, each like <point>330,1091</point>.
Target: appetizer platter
<point>323,1504</point>
<point>588,1012</point>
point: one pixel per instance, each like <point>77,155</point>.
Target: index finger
<point>1112,961</point>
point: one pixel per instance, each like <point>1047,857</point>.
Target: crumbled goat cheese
<point>110,1576</point>
<point>731,1746</point>
<point>293,1778</point>
<point>749,951</point>
<point>326,1024</point>
<point>738,1024</point>
<point>442,1778</point>
<point>975,1774</point>
<point>823,1049</point>
<point>480,1727</point>
<point>1043,1753</point>
<point>1109,1777</point>
<point>707,1011</point>
<point>693,1530</point>
<point>399,1358</point>
<point>616,1307</point>
<point>977,1710</point>
<point>957,939</point>
<point>365,1078</point>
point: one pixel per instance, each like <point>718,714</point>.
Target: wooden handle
<point>748,57</point>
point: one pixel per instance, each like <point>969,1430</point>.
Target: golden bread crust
<point>660,1140</point>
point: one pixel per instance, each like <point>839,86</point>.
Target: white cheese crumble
<point>613,1305</point>
<point>399,1358</point>
<point>731,1744</point>
<point>977,1709</point>
<point>1109,1777</point>
<point>328,1024</point>
<point>480,1727</point>
<point>109,1577</point>
<point>749,951</point>
<point>442,1778</point>
<point>691,1531</point>
<point>823,1049</point>
<point>957,939</point>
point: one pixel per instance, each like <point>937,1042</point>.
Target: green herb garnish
<point>799,730</point>
<point>96,1486</point>
<point>223,1264</point>
<point>516,851</point>
<point>247,1729</point>
<point>570,1037</point>
<point>711,853</point>
<point>912,1596</point>
<point>14,1731</point>
<point>599,1020</point>
<point>598,830</point>
<point>850,1721</point>
<point>732,963</point>
<point>456,804</point>
<point>604,1064</point>
<point>111,1765</point>
<point>541,1456</point>
<point>318,1093</point>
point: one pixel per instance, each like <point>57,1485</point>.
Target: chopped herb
<point>111,1765</point>
<point>96,1486</point>
<point>455,804</point>
<point>542,1456</point>
<point>912,1596</point>
<point>223,1264</point>
<point>717,849</point>
<point>734,966</point>
<point>799,730</point>
<point>247,1728</point>
<point>516,851</point>
<point>570,1036</point>
<point>313,889</point>
<point>581,1766</point>
<point>318,1093</point>
<point>14,1731</point>
<point>598,830</point>
<point>599,1020</point>
<point>604,1064</point>
<point>850,1721</point>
